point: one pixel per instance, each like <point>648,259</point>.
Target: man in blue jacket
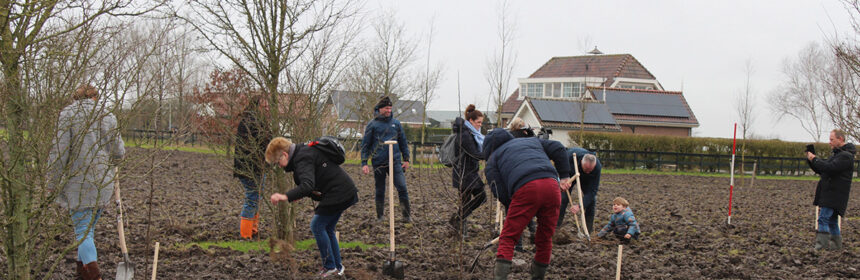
<point>522,177</point>
<point>589,179</point>
<point>384,128</point>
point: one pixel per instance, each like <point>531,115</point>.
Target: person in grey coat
<point>86,144</point>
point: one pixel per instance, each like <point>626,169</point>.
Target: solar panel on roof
<point>567,111</point>
<point>646,104</point>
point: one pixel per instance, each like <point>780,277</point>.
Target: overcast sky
<point>700,47</point>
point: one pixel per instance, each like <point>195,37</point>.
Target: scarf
<point>479,138</point>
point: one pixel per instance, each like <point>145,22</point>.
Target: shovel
<point>486,246</point>
<point>392,267</point>
<point>579,231</point>
<point>124,269</point>
<point>579,191</point>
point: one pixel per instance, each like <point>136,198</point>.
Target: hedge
<point>697,153</point>
<point>695,145</point>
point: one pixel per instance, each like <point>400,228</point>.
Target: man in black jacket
<point>833,189</point>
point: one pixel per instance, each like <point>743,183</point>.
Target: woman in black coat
<point>465,172</point>
<point>320,178</point>
<point>252,135</point>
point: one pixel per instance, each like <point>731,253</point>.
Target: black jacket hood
<point>495,139</point>
<point>849,147</point>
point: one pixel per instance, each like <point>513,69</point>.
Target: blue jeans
<point>252,196</point>
<point>84,221</point>
<point>323,228</point>
<point>380,173</point>
<point>828,221</point>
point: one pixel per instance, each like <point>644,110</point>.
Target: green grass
<point>263,245</point>
<point>146,144</point>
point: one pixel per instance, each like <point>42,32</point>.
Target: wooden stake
<point>337,235</point>
<point>618,263</point>
<point>755,165</point>
<point>817,209</point>
<point>155,262</point>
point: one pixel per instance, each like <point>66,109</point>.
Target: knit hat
<point>385,101</point>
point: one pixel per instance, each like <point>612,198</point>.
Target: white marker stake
<point>155,262</point>
<point>816,217</point>
<point>618,265</point>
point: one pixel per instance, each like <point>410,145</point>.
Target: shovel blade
<point>124,271</point>
<point>395,269</point>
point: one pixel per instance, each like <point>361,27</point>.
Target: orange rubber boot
<point>256,228</point>
<point>246,228</point>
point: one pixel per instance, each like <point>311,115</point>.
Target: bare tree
<point>500,67</point>
<point>798,97</point>
<point>385,68</point>
<point>269,40</point>
<point>745,109</point>
<point>429,82</point>
<point>28,105</point>
<point>843,101</point>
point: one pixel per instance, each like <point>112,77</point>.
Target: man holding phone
<point>833,189</point>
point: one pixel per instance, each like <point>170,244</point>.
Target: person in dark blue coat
<point>589,176</point>
<point>464,173</point>
<point>384,128</point>
<point>523,178</point>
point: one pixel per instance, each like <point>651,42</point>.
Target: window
<point>532,89</point>
<point>553,90</point>
<point>573,90</point>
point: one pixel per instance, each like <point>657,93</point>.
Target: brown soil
<point>683,219</point>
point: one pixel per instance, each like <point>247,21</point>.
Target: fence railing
<point>614,159</point>
<point>707,163</point>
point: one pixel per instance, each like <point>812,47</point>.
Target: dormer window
<point>533,89</point>
<point>573,90</point>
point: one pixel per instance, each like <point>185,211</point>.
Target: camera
<point>544,133</point>
<point>810,148</point>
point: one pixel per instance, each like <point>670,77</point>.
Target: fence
<point>613,159</point>
<point>707,163</point>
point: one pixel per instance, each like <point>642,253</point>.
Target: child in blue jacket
<point>622,223</point>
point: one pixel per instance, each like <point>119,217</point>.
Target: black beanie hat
<point>382,103</point>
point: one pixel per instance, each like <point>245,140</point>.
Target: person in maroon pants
<point>523,178</point>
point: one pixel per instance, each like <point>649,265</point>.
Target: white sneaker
<point>340,271</point>
<point>327,272</point>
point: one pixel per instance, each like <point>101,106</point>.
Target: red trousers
<point>540,198</point>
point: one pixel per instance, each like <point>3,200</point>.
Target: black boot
<point>822,240</point>
<point>502,269</point>
<point>538,270</point>
<point>405,204</point>
<point>454,221</point>
<point>380,210</point>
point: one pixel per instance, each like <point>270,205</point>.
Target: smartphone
<point>810,148</point>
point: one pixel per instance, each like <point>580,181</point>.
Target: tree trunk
<point>17,197</point>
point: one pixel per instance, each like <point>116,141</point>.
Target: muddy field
<point>683,219</point>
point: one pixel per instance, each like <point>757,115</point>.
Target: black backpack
<point>448,151</point>
<point>331,148</point>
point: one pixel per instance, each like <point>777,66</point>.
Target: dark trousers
<point>380,173</point>
<point>471,199</point>
<point>589,211</point>
<point>539,198</point>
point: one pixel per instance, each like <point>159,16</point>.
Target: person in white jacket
<point>86,144</point>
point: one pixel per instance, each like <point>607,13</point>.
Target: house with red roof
<point>598,92</point>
